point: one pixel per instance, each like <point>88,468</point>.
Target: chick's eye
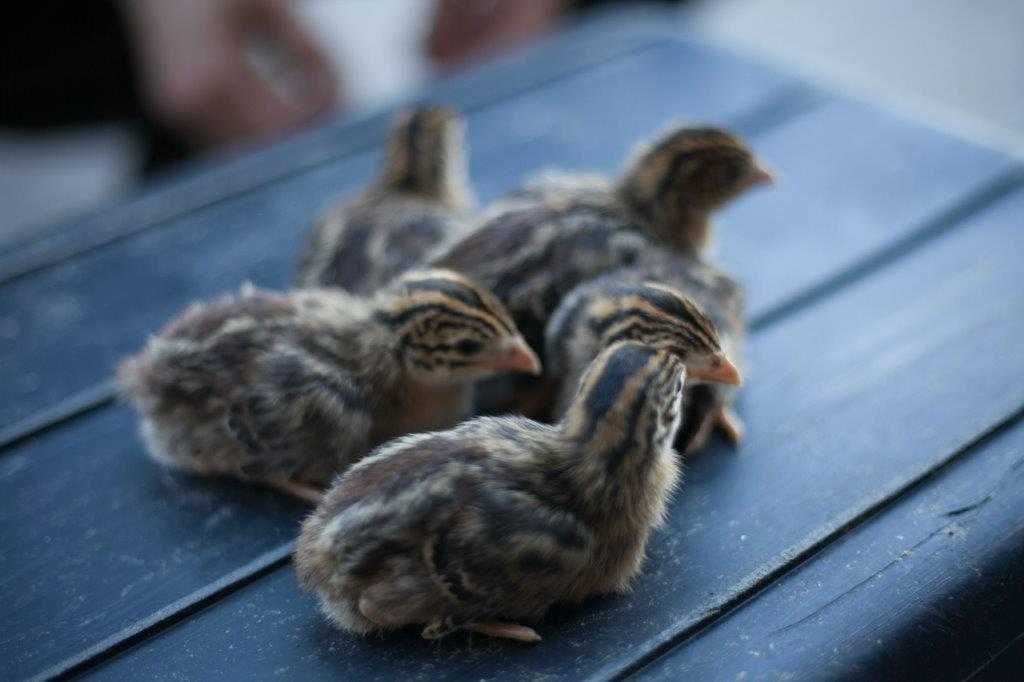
<point>730,172</point>
<point>469,347</point>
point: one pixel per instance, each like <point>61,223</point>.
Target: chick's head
<point>448,329</point>
<point>693,168</point>
<point>661,317</point>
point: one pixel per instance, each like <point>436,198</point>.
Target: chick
<point>420,202</point>
<point>720,297</point>
<point>289,389</point>
<point>673,186</point>
<point>612,309</point>
<point>490,523</point>
<point>669,189</point>
<point>535,247</point>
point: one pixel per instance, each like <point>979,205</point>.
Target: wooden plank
<point>96,538</point>
<point>931,589</point>
<point>63,329</point>
<point>851,403</point>
<point>860,182</point>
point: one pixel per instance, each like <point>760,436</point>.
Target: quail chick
<point>607,310</point>
<point>490,523</point>
<point>535,247</point>
<point>420,201</point>
<point>720,297</point>
<point>669,189</point>
<point>289,389</point>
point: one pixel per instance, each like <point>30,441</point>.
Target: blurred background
<point>98,97</point>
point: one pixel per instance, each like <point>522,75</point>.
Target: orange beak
<point>513,355</point>
<point>760,176</point>
<point>722,371</point>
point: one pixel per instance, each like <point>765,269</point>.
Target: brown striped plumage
<point>674,184</point>
<point>420,202</point>
<point>669,188</point>
<point>612,309</point>
<point>533,256</point>
<point>538,244</point>
<point>289,389</point>
<point>499,518</point>
<point>535,246</point>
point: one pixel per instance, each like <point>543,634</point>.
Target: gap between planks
<point>977,674</point>
<point>170,615</point>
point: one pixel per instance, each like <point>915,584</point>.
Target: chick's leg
<point>442,627</point>
<point>701,435</point>
<point>301,491</point>
<point>698,418</point>
<point>519,633</point>
<point>729,423</point>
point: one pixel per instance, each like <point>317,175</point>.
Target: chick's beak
<point>513,355</point>
<point>760,175</point>
<point>721,371</point>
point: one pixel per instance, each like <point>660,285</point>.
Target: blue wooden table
<point>871,526</point>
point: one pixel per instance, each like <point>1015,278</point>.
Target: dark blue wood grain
<point>851,183</point>
<point>65,327</point>
<point>96,538</point>
<point>930,589</point>
<point>851,403</point>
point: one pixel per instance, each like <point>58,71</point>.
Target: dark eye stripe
<point>455,321</point>
<point>603,324</point>
<point>700,153</point>
<point>672,306</point>
<point>465,295</point>
<point>469,346</point>
<point>427,347</point>
<point>638,332</point>
<point>437,349</point>
<point>439,326</point>
<point>636,317</point>
<point>410,314</point>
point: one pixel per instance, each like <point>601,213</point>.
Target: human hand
<point>465,30</point>
<point>196,60</point>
